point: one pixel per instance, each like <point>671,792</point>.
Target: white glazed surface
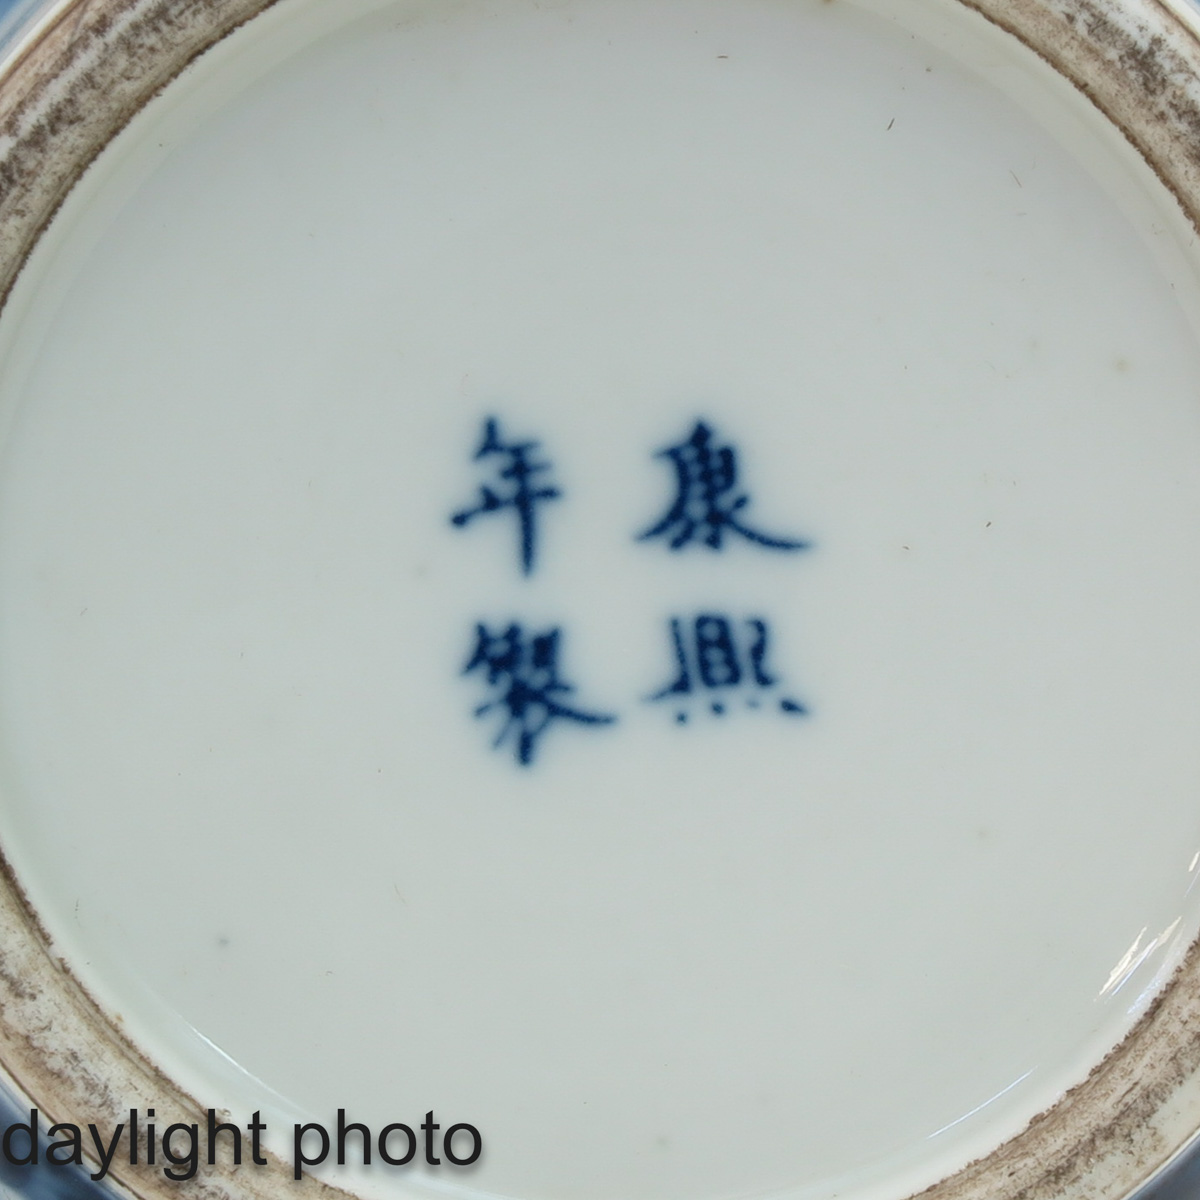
<point>243,381</point>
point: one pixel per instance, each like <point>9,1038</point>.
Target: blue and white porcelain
<point>598,599</point>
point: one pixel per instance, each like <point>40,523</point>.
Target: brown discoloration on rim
<point>66,96</point>
<point>1114,1129</point>
<point>74,1065</point>
<point>61,101</point>
<point>77,86</point>
<point>1140,66</point>
<point>1135,61</point>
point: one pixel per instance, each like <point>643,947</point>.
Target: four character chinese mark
<point>517,488</point>
<point>715,657</point>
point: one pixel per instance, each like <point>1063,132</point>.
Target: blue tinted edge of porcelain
<point>16,17</point>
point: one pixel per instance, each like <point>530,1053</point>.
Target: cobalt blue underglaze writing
<point>706,503</point>
<point>522,672</point>
<point>718,659</point>
<point>711,658</point>
<point>517,491</point>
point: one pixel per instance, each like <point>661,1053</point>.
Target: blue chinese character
<point>523,674</point>
<point>709,659</point>
<point>519,490</point>
<point>707,502</point>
